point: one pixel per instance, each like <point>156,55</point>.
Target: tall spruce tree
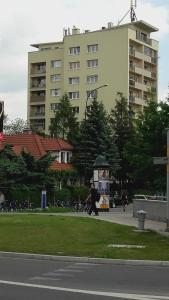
<point>95,138</point>
<point>149,141</point>
<point>121,120</point>
<point>65,124</point>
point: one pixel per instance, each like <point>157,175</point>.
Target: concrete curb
<point>85,259</point>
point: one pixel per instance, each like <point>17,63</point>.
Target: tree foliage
<point>94,139</point>
<point>121,120</point>
<point>64,125</point>
<point>24,170</point>
<point>149,141</point>
<point>14,127</point>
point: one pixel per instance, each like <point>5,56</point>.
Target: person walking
<point>94,197</point>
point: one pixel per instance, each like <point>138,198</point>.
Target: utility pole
<point>1,115</point>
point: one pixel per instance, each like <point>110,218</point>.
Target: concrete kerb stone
<point>127,262</point>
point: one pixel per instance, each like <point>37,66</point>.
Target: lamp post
<point>88,95</point>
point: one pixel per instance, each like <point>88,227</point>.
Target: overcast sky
<point>24,22</point>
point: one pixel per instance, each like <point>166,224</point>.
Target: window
<point>73,95</point>
<point>75,109</point>
<point>74,50</point>
<point>92,78</point>
<point>55,77</point>
<point>55,92</point>
<point>55,106</point>
<point>74,65</point>
<point>69,155</point>
<point>92,48</point>
<point>63,156</point>
<point>92,63</point>
<point>74,80</point>
<point>56,63</point>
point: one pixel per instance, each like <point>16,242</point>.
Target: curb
<point>85,259</point>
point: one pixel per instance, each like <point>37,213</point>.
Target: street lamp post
<point>88,95</point>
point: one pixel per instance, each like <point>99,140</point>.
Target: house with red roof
<point>39,146</point>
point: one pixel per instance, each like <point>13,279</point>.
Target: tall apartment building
<point>124,58</point>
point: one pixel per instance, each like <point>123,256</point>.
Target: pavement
<point>117,215</point>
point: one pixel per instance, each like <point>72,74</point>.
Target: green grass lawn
<point>64,235</point>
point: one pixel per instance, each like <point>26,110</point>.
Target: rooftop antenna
<point>131,11</point>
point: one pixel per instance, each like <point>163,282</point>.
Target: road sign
<point>160,160</point>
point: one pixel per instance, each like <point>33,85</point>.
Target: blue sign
<point>43,199</point>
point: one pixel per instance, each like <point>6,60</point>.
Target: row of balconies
<point>142,71</point>
<point>141,86</point>
<point>142,56</point>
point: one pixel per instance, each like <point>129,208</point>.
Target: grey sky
<point>24,22</point>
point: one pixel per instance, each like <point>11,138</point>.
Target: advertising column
<point>101,182</point>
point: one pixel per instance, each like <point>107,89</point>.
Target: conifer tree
<point>95,138</point>
<point>65,124</point>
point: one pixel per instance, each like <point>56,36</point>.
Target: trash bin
<point>141,219</point>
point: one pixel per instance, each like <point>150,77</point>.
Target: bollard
<point>141,219</point>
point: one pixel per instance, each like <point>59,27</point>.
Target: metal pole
<point>167,180</point>
<point>88,95</point>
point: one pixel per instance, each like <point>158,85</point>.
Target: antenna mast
<point>131,11</point>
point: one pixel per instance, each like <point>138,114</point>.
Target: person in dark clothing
<point>93,199</point>
<point>124,201</point>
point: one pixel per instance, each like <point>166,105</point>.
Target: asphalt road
<point>42,280</point>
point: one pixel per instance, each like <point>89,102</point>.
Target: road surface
<point>42,280</point>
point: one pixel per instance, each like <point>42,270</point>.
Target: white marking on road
<point>89,292</point>
<point>44,278</point>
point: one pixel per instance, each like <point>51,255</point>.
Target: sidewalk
<point>116,215</point>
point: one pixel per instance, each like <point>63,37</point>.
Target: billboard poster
<point>103,202</point>
<point>103,175</point>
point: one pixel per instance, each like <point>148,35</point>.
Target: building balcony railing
<point>136,84</point>
<point>38,86</point>
<point>37,99</point>
<point>37,114</point>
<point>143,39</point>
<point>38,71</point>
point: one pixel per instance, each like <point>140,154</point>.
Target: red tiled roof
<point>37,145</point>
<point>50,144</point>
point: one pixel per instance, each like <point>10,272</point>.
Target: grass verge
<point>64,235</point>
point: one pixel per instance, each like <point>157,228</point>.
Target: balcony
<point>136,100</point>
<point>143,39</point>
<point>38,86</point>
<point>136,68</point>
<point>37,99</point>
<point>35,114</point>
<point>136,84</point>
<point>136,52</point>
<point>38,71</point>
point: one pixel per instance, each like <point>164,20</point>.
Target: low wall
<point>156,210</point>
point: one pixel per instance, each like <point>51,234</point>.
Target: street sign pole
<point>167,181</point>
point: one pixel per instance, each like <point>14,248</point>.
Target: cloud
<point>26,22</point>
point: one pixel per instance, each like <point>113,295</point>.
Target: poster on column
<point>103,202</point>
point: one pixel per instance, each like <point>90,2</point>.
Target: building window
<point>75,109</point>
<point>55,92</point>
<point>63,157</point>
<point>56,63</point>
<point>74,50</point>
<point>74,65</point>
<point>69,155</point>
<point>74,80</point>
<point>92,63</point>
<point>55,106</point>
<point>73,95</point>
<point>55,77</point>
<point>92,78</point>
<point>92,48</point>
